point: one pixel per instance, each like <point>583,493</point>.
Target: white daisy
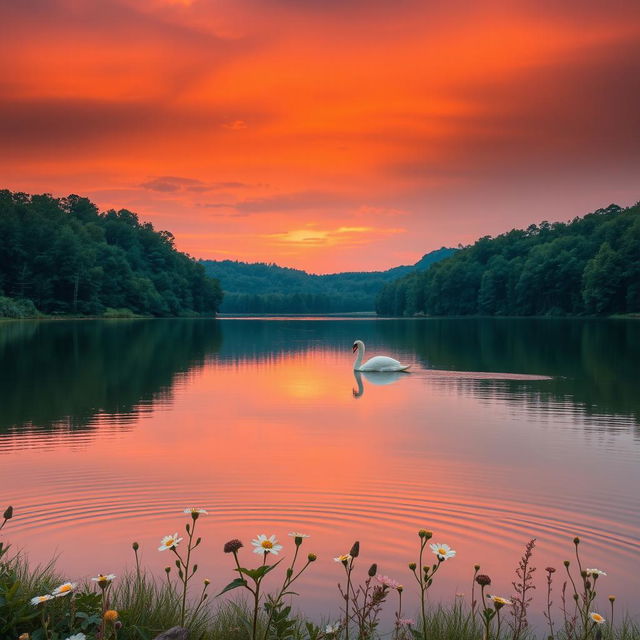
<point>332,628</point>
<point>499,600</point>
<point>102,578</point>
<point>191,510</point>
<point>595,572</point>
<point>295,534</point>
<point>443,551</point>
<point>263,544</point>
<point>597,618</point>
<point>77,636</point>
<point>41,599</point>
<point>64,589</point>
<point>345,558</point>
<point>169,542</point>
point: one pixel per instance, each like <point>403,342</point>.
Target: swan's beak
<point>355,348</point>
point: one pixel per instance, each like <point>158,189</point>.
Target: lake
<point>503,431</point>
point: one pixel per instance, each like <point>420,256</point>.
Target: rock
<point>175,633</point>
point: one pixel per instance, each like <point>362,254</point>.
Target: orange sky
<point>324,135</point>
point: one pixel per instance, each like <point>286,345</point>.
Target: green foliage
<point>590,265</point>
<point>64,256</point>
<point>268,288</point>
<point>10,308</point>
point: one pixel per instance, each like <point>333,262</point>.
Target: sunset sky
<point>329,136</point>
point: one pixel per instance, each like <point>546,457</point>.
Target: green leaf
<point>238,582</point>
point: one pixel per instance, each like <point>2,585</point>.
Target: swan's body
<point>377,363</point>
<point>378,378</point>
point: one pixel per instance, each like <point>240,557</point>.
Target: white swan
<point>379,378</point>
<point>377,363</point>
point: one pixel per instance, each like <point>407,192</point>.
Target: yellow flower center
<point>43,599</point>
<point>169,542</point>
<point>65,587</point>
<point>442,551</point>
<point>267,544</point>
<point>597,617</point>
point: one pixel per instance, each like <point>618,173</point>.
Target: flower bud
<point>483,580</point>
<point>167,570</point>
<point>612,599</point>
<point>312,557</point>
<point>135,546</point>
<point>412,566</point>
<point>583,573</point>
<point>355,549</point>
<point>8,513</point>
<point>566,563</point>
<point>23,636</point>
<point>476,567</point>
<point>575,597</point>
<point>400,588</point>
<point>373,569</point>
<point>233,546</point>
<point>118,625</point>
<point>207,582</point>
<point>550,570</point>
<point>576,541</point>
<point>195,568</point>
<point>298,540</point>
<point>289,572</point>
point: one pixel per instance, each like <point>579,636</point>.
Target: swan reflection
<point>379,378</point>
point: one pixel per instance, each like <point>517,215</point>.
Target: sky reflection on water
<point>505,430</point>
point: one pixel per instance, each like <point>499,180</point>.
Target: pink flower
<point>388,582</point>
<point>406,621</point>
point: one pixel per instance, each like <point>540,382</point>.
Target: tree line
<point>268,288</point>
<point>63,256</point>
<point>590,265</point>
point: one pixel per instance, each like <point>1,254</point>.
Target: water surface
<point>503,431</point>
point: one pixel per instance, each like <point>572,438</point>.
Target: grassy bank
<point>37,603</point>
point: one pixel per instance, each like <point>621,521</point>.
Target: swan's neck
<point>358,362</point>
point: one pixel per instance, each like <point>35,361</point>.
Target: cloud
<point>173,184</point>
<point>313,236</point>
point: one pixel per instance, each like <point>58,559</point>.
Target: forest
<point>588,266</point>
<point>63,256</point>
<point>269,288</point>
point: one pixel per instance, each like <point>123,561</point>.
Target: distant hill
<point>268,288</point>
<point>590,265</point>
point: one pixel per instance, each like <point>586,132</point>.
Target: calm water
<point>504,430</point>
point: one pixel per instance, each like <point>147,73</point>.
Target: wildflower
<point>169,542</point>
<point>207,582</point>
<point>597,618</point>
<point>77,636</point>
<point>483,580</point>
<point>550,570</point>
<point>41,599</point>
<point>412,566</point>
<point>332,628</point>
<point>312,557</point>
<point>344,558</point>
<point>388,582</point>
<point>135,546</point>
<point>407,622</point>
<point>497,600</point>
<point>25,636</point>
<point>423,533</point>
<point>110,615</point>
<point>595,572</point>
<point>295,534</point>
<point>476,567</point>
<point>8,513</point>
<point>612,599</point>
<point>263,544</point>
<point>443,551</point>
<point>64,589</point>
<point>194,512</point>
<point>233,546</point>
<point>103,580</point>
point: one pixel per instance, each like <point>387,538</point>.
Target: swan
<point>377,363</point>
